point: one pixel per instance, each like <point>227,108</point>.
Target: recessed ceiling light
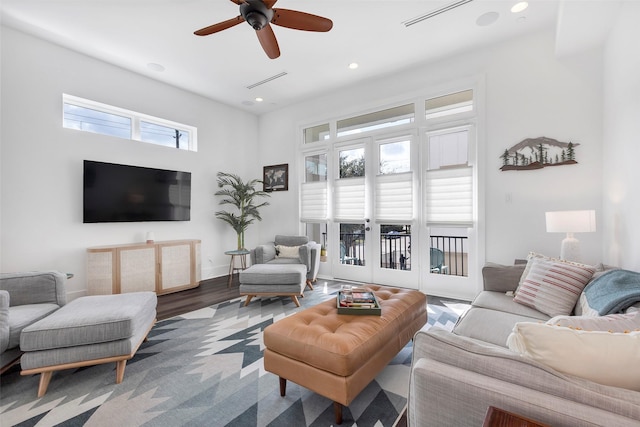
<point>258,99</point>
<point>487,19</point>
<point>155,67</point>
<point>519,7</point>
<point>353,65</point>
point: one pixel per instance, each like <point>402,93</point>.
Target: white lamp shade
<point>571,221</point>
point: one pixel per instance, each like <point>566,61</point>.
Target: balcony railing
<point>447,254</point>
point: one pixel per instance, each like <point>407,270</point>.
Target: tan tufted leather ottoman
<point>338,355</point>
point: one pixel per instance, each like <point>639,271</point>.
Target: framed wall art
<point>276,178</point>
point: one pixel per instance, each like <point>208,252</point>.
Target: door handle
<point>367,229</point>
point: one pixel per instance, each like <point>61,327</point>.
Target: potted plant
<point>241,195</point>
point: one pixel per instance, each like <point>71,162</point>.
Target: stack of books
<point>358,301</point>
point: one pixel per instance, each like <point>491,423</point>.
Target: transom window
<point>91,116</point>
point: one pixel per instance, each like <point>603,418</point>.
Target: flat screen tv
<point>122,193</point>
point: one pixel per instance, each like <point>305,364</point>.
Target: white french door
<point>374,233</point>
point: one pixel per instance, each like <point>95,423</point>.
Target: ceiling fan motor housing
<point>256,13</point>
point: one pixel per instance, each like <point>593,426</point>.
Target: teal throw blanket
<point>614,291</point>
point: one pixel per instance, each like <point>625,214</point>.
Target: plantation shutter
<point>313,198</point>
<point>394,197</point>
<point>449,196</point>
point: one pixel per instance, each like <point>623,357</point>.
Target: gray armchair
<point>26,298</point>
<point>308,254</point>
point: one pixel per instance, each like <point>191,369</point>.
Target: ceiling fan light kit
<point>259,14</point>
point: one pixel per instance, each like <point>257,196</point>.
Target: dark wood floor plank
<point>210,292</point>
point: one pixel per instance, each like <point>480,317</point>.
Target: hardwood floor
<point>210,291</point>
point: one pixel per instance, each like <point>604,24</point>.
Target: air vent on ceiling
<point>267,80</point>
<point>435,12</point>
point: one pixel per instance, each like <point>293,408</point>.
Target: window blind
<point>449,196</point>
<point>349,199</point>
<point>394,197</point>
<point>313,199</point>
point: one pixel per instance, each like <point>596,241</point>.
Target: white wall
<point>529,93</point>
<point>41,173</point>
<point>621,148</point>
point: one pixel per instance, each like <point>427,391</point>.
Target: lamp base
<point>570,249</point>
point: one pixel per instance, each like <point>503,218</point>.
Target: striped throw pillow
<point>551,286</point>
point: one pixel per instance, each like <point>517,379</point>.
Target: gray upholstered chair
<point>26,298</point>
<point>281,251</point>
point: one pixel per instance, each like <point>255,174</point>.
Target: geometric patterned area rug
<point>205,368</point>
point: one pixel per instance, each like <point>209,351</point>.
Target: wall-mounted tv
<point>123,193</point>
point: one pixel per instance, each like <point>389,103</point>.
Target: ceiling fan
<point>259,13</point>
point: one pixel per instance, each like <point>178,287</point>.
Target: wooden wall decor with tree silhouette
<point>538,153</point>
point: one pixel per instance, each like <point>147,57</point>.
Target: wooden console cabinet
<point>163,267</point>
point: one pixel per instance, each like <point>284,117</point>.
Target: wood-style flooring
<point>210,291</point>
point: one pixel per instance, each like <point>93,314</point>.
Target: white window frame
<point>135,117</point>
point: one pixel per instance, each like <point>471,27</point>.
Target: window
<point>395,157</point>
<point>316,133</point>
<point>396,116</point>
<point>90,116</point>
<point>447,105</point>
<point>351,163</point>
<point>313,191</point>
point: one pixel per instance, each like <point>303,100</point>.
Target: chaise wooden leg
<point>295,300</point>
<point>246,303</point>
<point>283,386</point>
<point>45,378</point>
<point>337,410</point>
<point>120,365</point>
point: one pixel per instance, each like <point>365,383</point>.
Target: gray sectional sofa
<point>455,377</point>
<point>26,298</point>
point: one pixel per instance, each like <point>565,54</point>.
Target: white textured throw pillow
<point>552,286</point>
<point>610,323</point>
<point>609,358</point>
<point>287,251</point>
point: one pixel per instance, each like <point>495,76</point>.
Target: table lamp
<point>571,222</point>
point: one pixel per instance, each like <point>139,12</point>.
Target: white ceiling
<point>134,33</point>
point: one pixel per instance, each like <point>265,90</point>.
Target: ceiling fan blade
<point>300,20</point>
<point>268,41</point>
<point>219,26</point>
<point>269,3</point>
<point>238,2</point>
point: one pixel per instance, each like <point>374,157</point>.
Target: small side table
<point>242,253</point>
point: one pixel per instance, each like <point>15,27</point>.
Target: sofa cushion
<point>21,316</point>
<point>502,278</point>
<point>283,251</point>
<point>491,326</point>
<point>609,358</point>
<point>90,320</point>
<point>552,286</point>
<point>505,303</point>
<point>610,323</point>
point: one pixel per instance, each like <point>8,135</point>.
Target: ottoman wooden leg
<point>295,300</point>
<point>120,365</point>
<point>309,284</point>
<point>337,410</point>
<point>45,378</point>
<point>246,303</point>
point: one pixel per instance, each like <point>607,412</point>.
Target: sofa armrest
<point>469,358</point>
<point>41,287</point>
<point>314,260</point>
<point>501,278</point>
<point>263,253</point>
<point>445,395</point>
<point>4,321</point>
